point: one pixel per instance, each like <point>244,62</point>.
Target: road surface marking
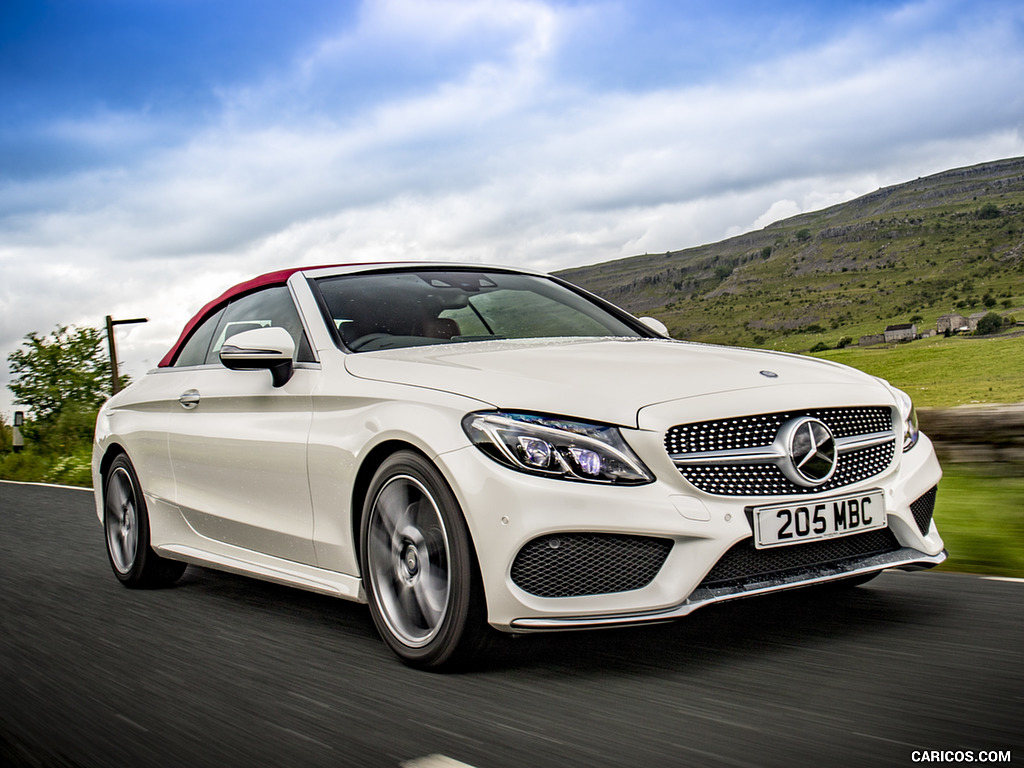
<point>434,761</point>
<point>48,485</point>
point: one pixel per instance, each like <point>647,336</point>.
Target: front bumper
<point>507,510</point>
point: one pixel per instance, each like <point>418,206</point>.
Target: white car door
<point>237,444</point>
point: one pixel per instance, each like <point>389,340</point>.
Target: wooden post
<point>115,380</point>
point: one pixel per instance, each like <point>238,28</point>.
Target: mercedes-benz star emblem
<point>810,451</point>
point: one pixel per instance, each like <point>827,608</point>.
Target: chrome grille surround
<point>578,564</point>
<point>745,456</point>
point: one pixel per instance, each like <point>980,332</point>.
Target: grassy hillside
<point>941,373</point>
<point>908,253</point>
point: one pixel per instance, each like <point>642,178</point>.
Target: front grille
<point>725,479</point>
<point>756,431</point>
<point>922,510</point>
<point>768,480</point>
<point>745,563</point>
<point>576,564</point>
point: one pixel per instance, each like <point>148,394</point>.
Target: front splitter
<point>903,559</point>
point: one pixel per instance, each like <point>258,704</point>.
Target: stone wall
<point>976,433</point>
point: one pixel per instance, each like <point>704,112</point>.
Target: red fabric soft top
<point>271,278</point>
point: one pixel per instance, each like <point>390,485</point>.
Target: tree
<point>990,323</point>
<point>68,366</point>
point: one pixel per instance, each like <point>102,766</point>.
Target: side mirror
<point>261,348</point>
<point>656,325</point>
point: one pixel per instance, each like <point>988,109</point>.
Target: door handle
<point>189,399</point>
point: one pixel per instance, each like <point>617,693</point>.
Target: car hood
<point>606,380</point>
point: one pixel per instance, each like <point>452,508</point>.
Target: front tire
<point>419,567</point>
<point>126,522</point>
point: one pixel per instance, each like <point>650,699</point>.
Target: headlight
<point>554,447</point>
<point>909,415</point>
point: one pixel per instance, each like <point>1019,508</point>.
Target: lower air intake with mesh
<point>922,510</point>
<point>578,564</point>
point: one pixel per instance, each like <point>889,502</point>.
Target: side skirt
<point>271,569</point>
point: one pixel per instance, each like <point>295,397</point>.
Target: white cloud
<point>780,209</point>
<point>497,161</point>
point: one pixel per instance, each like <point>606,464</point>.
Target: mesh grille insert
<point>759,431</point>
<point>743,562</point>
<point>768,480</point>
<point>576,564</point>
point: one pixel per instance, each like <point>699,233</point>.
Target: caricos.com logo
<point>960,756</point>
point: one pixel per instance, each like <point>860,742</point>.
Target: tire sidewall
<point>133,574</point>
<point>445,645</point>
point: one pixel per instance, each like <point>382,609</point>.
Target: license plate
<point>779,525</point>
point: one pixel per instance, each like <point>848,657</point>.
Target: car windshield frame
<point>419,306</point>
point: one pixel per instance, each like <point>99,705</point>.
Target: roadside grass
<point>33,466</point>
<point>941,372</point>
<point>980,515</point>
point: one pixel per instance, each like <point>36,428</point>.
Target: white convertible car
<point>469,448</point>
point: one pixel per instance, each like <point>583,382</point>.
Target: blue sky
<point>153,152</point>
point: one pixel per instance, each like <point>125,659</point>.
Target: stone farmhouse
<point>901,332</point>
<point>951,323</point>
<point>954,323</point>
<point>870,339</point>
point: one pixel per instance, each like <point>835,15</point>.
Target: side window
<point>198,344</point>
<point>271,307</point>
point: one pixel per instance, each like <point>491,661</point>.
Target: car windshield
<point>388,310</point>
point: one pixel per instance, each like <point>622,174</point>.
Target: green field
<point>980,515</point>
<point>941,372</point>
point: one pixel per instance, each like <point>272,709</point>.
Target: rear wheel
<point>126,521</point>
<point>418,566</point>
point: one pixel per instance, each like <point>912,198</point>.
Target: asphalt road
<point>225,671</point>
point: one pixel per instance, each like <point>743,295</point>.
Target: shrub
<point>25,466</point>
<point>72,428</point>
<point>73,469</point>
<point>988,211</point>
<point>821,346</point>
